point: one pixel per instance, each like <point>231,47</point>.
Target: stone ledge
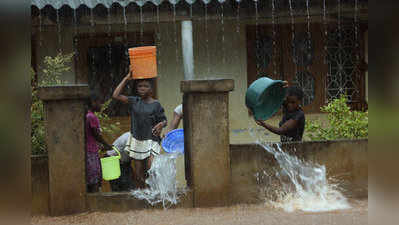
<point>124,201</point>
<point>78,91</point>
<point>346,161</point>
<point>217,85</point>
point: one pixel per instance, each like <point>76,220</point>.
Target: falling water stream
<point>191,11</point>
<point>238,24</point>
<point>207,39</point>
<point>308,19</point>
<point>292,30</point>
<point>274,37</point>
<point>40,28</point>
<point>161,181</point>
<point>141,26</point>
<point>257,38</point>
<point>109,33</point>
<point>340,60</point>
<point>59,31</point>
<point>159,58</point>
<point>92,21</point>
<point>175,37</point>
<point>75,23</point>
<point>238,17</point>
<point>302,185</point>
<point>75,39</point>
<point>125,36</point>
<point>124,24</point>
<point>356,28</point>
<point>309,34</point>
<point>92,33</point>
<point>222,27</point>
<point>325,32</point>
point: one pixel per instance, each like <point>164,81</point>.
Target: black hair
<point>295,91</point>
<point>149,80</point>
<point>92,98</point>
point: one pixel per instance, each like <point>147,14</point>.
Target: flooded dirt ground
<point>241,214</point>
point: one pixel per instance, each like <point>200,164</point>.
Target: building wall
<point>227,59</point>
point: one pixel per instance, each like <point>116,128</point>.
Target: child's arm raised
<point>117,93</point>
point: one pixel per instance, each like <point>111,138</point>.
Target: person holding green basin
<point>292,125</point>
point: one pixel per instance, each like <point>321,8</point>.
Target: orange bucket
<point>143,62</point>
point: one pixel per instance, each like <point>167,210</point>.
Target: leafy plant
<point>38,144</point>
<point>107,127</point>
<point>343,123</point>
<point>54,68</point>
<point>51,75</point>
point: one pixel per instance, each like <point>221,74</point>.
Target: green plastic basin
<point>264,97</point>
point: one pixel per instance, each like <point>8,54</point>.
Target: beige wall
<point>233,51</point>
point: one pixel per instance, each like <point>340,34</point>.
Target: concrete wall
<point>40,188</point>
<point>345,161</point>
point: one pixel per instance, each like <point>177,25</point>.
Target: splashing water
<point>141,26</point>
<point>302,185</point>
<point>161,181</point>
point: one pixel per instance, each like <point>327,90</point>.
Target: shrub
<point>343,123</point>
<point>107,127</point>
<point>52,72</point>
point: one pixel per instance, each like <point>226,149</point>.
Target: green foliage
<point>107,127</point>
<point>38,144</point>
<point>54,68</point>
<point>343,123</point>
<point>51,75</point>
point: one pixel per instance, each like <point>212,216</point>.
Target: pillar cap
<point>76,91</point>
<point>215,85</point>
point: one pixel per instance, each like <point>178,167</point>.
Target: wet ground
<point>241,214</point>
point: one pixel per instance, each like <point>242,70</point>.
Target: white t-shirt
<point>120,144</point>
<point>179,110</point>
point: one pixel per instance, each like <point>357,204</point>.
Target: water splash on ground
<point>161,181</point>
<point>298,185</point>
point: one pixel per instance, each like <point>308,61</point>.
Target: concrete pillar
<point>206,136</point>
<point>65,138</point>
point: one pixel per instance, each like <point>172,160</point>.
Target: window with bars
<point>324,60</point>
<point>342,60</point>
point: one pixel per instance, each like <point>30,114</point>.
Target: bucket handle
<point>117,151</point>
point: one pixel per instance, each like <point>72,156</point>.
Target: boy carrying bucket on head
<point>93,137</point>
<point>147,121</point>
<point>292,125</point>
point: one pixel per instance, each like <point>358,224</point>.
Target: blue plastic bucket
<point>264,97</point>
<point>174,142</point>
